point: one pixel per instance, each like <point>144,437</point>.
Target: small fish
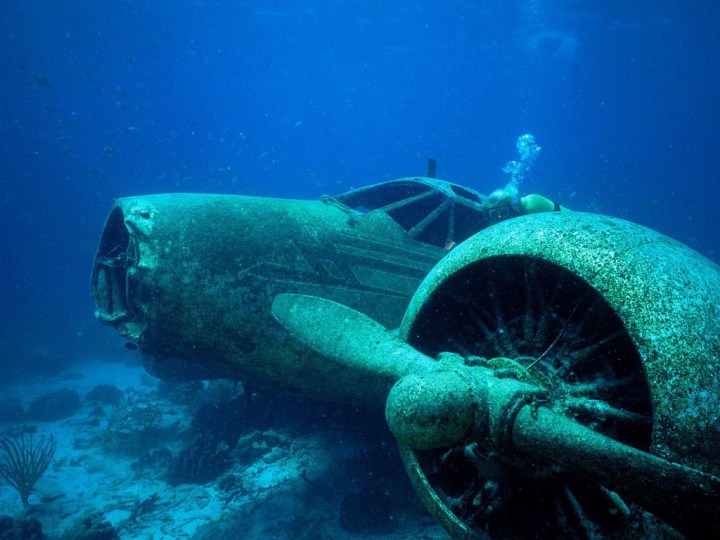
<point>130,345</point>
<point>41,80</point>
<point>37,79</point>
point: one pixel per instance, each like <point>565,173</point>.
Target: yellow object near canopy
<point>534,203</point>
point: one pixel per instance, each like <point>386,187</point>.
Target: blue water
<point>300,98</point>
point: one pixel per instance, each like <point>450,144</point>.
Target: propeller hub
<point>432,410</point>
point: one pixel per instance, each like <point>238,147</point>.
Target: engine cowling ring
<point>623,321</point>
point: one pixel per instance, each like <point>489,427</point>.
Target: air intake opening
<point>108,283</point>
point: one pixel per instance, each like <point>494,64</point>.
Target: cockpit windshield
<point>430,210</point>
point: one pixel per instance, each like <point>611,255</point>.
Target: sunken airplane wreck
<point>554,376</point>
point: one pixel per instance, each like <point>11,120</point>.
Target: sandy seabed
<point>281,482</point>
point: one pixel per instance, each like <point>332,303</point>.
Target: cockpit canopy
<point>430,210</point>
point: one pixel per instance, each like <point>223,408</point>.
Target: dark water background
<point>300,98</point>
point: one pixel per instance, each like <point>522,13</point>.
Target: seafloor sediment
<point>155,460</point>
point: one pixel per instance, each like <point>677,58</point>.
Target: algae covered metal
<point>190,277</point>
<point>618,328</point>
<point>554,375</point>
<point>523,394</point>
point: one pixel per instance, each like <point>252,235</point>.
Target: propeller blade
<point>350,339</point>
<point>686,498</point>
